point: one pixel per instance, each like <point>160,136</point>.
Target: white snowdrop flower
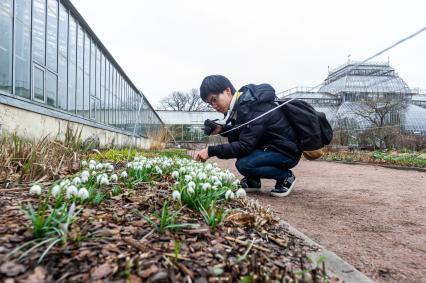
<point>191,185</point>
<point>190,190</point>
<point>214,188</point>
<point>175,174</point>
<point>94,173</point>
<point>236,182</point>
<point>83,194</point>
<point>104,181</point>
<point>229,194</point>
<point>71,191</point>
<point>209,167</point>
<point>113,178</point>
<point>62,184</point>
<point>110,167</point>
<point>92,166</point>
<point>85,173</point>
<point>201,176</point>
<point>84,163</point>
<point>218,184</point>
<point>93,162</point>
<point>56,190</point>
<point>130,165</point>
<point>182,170</point>
<point>76,181</point>
<point>123,175</point>
<point>35,190</point>
<point>158,170</point>
<point>188,178</point>
<point>214,178</point>
<point>148,166</point>
<point>84,179</point>
<point>176,195</point>
<point>215,164</point>
<point>136,158</point>
<point>100,166</point>
<point>206,186</point>
<point>240,193</point>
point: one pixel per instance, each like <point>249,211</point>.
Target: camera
<point>210,126</point>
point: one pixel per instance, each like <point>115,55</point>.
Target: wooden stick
<point>245,243</point>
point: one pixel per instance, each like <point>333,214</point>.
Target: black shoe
<point>284,187</point>
<point>250,185</point>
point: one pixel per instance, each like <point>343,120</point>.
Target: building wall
<point>33,125</point>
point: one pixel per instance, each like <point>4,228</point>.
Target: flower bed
<point>404,159</point>
<point>160,219</point>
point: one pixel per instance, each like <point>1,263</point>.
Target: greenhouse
<point>347,92</point>
<point>53,64</point>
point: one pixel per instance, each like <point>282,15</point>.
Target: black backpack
<point>312,127</point>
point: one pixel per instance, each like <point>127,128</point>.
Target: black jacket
<point>271,131</point>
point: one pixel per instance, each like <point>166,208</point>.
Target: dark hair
<point>215,84</point>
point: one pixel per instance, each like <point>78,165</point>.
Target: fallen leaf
<point>103,271</point>
<point>12,268</point>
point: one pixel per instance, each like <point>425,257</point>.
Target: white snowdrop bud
<point>188,178</point>
<point>191,185</point>
<point>113,178</point>
<point>100,166</point>
<point>229,194</point>
<point>56,190</point>
<point>175,174</point>
<point>190,190</point>
<point>123,175</point>
<point>85,173</point>
<point>104,181</point>
<point>83,194</point>
<point>110,167</point>
<point>84,163</point>
<point>206,186</point>
<point>35,190</point>
<point>76,181</point>
<point>71,191</point>
<point>240,193</point>
<point>176,195</point>
<point>84,179</point>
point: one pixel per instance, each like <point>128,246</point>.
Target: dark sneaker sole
<point>276,194</point>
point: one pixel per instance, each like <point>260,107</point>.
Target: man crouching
<point>265,148</point>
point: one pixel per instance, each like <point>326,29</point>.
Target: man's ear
<point>228,91</point>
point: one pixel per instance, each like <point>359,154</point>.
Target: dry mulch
<point>113,242</point>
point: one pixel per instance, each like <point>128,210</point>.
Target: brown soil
<point>373,217</point>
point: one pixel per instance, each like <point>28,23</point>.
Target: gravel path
<point>373,217</point>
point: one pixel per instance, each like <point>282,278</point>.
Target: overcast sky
<point>172,45</point>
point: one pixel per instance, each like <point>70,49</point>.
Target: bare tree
<point>382,112</point>
<point>184,101</point>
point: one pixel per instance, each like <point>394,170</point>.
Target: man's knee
<point>243,166</point>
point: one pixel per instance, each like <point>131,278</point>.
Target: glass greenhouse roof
<point>365,78</point>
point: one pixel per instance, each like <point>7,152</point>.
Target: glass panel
<point>102,102</point>
<point>98,73</point>
<point>51,87</point>
<point>92,69</point>
<point>52,34</point>
<point>39,19</point>
<point>22,60</point>
<point>92,108</point>
<point>72,64</point>
<point>80,50</point>
<point>38,84</point>
<point>107,92</point>
<point>23,11</point>
<point>6,24</point>
<point>86,103</point>
<point>62,59</point>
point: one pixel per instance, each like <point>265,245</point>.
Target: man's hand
<point>202,155</point>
